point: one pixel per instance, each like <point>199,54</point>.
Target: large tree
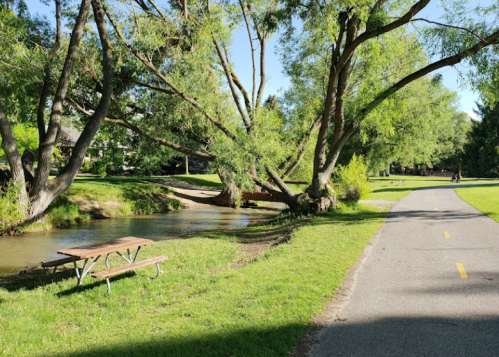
<point>52,80</point>
<point>481,153</point>
<point>346,61</point>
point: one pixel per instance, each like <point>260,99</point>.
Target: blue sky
<point>277,82</point>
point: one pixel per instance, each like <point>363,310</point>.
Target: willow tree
<point>42,190</point>
<point>346,61</point>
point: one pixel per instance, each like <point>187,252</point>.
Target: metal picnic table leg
<point>107,260</point>
<point>85,271</point>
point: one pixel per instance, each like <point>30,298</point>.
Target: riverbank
<point>92,198</point>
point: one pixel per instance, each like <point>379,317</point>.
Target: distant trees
<point>481,153</point>
<point>420,127</point>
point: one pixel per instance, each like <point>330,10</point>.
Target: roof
<point>68,137</point>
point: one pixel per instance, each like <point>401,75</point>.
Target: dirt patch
<point>191,196</point>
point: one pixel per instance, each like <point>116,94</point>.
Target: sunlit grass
<point>484,198</point>
<point>395,187</point>
<point>199,306</point>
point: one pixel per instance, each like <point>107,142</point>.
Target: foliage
<point>12,211</point>
<point>62,213</point>
<point>481,153</point>
<point>26,138</point>
<point>352,180</point>
<point>418,125</point>
<point>99,167</point>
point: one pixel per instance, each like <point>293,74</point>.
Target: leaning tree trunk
<point>230,195</point>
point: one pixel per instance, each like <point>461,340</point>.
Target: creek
<point>30,249</point>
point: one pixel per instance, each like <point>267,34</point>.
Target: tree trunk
<point>230,195</point>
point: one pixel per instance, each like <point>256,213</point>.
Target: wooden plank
<point>259,196</point>
<point>54,263</point>
<point>128,267</point>
<point>93,250</point>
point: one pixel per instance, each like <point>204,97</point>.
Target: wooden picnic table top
<point>93,250</point>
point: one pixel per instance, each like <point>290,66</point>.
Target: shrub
<point>12,212</point>
<point>62,213</point>
<point>352,180</point>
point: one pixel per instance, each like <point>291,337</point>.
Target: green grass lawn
<point>204,304</point>
<point>209,181</point>
<point>395,187</point>
<point>484,198</point>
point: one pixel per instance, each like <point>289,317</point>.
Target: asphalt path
<point>428,287</point>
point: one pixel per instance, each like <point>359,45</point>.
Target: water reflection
<point>30,249</point>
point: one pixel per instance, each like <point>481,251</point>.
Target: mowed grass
<point>395,187</point>
<point>209,181</point>
<point>484,198</point>
<point>200,305</point>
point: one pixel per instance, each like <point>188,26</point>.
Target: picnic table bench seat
<point>106,274</point>
<point>55,263</point>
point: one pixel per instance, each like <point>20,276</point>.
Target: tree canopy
<point>359,71</point>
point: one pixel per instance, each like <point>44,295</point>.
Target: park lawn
<point>395,187</point>
<point>484,198</point>
<point>209,181</point>
<point>202,304</point>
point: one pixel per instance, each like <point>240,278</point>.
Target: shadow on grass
<point>32,281</point>
<point>254,342</point>
<point>35,279</point>
<point>98,283</point>
<point>390,336</point>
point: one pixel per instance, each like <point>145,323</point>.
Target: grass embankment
<point>484,198</point>
<point>214,298</point>
<point>92,197</point>
<point>395,187</point>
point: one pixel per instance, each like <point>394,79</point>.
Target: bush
<point>352,180</point>
<point>11,211</point>
<point>63,213</point>
<point>99,167</point>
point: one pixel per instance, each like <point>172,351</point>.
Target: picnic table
<point>96,251</point>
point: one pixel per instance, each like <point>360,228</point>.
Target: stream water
<point>30,249</point>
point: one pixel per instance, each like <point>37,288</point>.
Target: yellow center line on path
<point>461,271</point>
<point>447,234</point>
<point>436,209</point>
<point>439,217</point>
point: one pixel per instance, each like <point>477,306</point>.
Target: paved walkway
<point>429,287</point>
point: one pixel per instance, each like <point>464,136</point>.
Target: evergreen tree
<point>481,153</point>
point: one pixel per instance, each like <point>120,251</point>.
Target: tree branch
<point>252,54</point>
<point>50,140</point>
<point>161,141</point>
<point>67,175</point>
<point>153,69</point>
<point>42,102</point>
<point>450,26</point>
<point>228,75</point>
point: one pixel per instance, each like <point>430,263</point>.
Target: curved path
<point>429,286</point>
